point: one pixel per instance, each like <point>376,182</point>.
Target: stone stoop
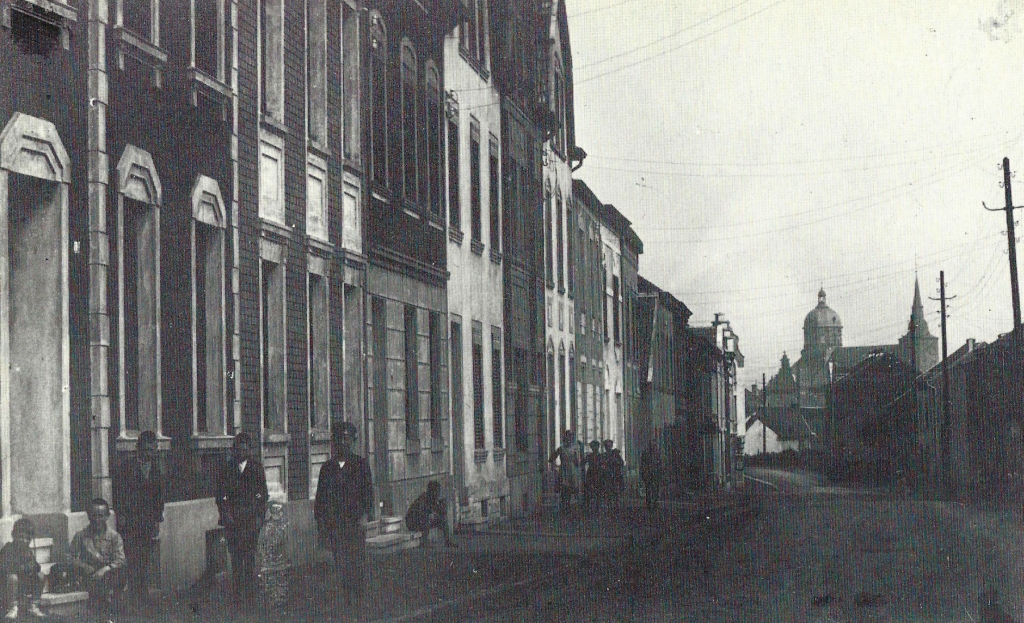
<point>42,547</point>
<point>391,537</point>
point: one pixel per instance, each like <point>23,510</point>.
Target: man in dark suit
<point>242,502</point>
<point>139,504</point>
<point>344,494</point>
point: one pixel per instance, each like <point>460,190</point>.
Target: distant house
<point>761,439</point>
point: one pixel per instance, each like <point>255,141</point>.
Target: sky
<point>764,149</point>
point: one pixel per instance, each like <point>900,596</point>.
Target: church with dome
<point>805,383</point>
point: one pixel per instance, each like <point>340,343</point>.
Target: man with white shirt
<point>242,502</point>
<point>344,495</point>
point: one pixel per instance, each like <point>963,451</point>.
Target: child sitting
<point>21,572</point>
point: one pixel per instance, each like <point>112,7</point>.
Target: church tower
<point>919,345</point>
<point>823,331</point>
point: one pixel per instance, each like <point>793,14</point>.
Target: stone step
<point>391,525</point>
<point>50,600</point>
<point>385,544</point>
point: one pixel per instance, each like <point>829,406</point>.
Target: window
<point>559,140</point>
<point>409,122</point>
<point>350,41</point>
<point>549,256</point>
<point>604,301</point>
<point>208,318</point>
<point>456,356</point>
<point>432,153</point>
<point>378,88</point>
<point>316,197</point>
<point>208,25</point>
<point>271,207</point>
<point>564,421</point>
<point>141,18</point>
<point>454,206</point>
<point>615,310</point>
<point>138,277</point>
<point>436,339</point>
<point>272,26</point>
<point>412,398</point>
<point>495,204</point>
<point>472,35</point>
<point>571,233</point>
<point>497,392</point>
<point>272,334</point>
<point>318,330</point>
<point>573,411</point>
<point>478,386</point>
<point>316,31</point>
<point>475,192</point>
<point>560,245</point>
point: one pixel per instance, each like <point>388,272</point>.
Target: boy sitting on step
<point>20,572</point>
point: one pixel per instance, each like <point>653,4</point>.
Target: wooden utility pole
<point>1011,241</point>
<point>945,434</point>
<point>764,415</point>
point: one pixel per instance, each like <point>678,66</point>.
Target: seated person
<point>21,572</point>
<point>429,511</point>
<point>97,557</point>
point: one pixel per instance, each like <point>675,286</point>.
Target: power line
<point>681,45</point>
<point>599,9</point>
<point>666,37</point>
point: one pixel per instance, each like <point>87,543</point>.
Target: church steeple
<point>918,324</point>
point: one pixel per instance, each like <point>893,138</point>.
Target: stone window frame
<point>409,121</point>
<point>272,146</point>
<point>317,229</point>
<point>377,93</point>
<point>433,127</point>
<point>208,208</point>
<point>316,73</point>
<point>138,181</point>
<point>32,147</point>
<point>319,267</point>
<point>53,12</point>
<point>143,46</point>
<point>476,218</point>
<point>201,80</point>
<point>477,382</point>
<point>271,47</point>
<point>497,389</point>
<point>494,196</point>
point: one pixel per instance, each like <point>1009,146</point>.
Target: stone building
<point>475,290</point>
<point>406,246</point>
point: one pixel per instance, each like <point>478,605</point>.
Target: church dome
<point>822,316</point>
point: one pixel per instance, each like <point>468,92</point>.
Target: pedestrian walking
<point>570,461</point>
<point>592,476</point>
<point>650,475</point>
<point>242,502</point>
<point>429,511</point>
<point>139,503</point>
<point>613,468</point>
<point>20,572</point>
<point>344,495</point>
<point>97,558</point>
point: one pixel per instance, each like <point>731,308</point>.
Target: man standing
<point>344,495</point>
<point>613,469</point>
<point>592,477</point>
<point>97,557</point>
<point>242,502</point>
<point>139,502</point>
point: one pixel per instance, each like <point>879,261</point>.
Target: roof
<point>795,423</point>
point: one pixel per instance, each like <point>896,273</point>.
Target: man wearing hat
<point>344,494</point>
<point>242,502</point>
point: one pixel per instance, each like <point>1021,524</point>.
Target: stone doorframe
<point>32,147</point>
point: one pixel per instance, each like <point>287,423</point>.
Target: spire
<point>918,324</point>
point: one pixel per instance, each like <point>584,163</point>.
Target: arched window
<point>378,87</point>
<point>409,122</point>
<point>573,411</point>
<point>563,415</point>
<point>138,283</point>
<point>209,382</point>
<point>432,154</point>
<point>560,238</point>
<point>548,252</point>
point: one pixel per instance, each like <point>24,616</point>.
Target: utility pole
<point>1011,240</point>
<point>764,415</point>
<point>945,434</point>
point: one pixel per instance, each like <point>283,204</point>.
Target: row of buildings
<point>899,414</point>
<point>273,216</point>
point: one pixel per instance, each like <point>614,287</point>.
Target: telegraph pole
<point>1011,241</point>
<point>945,434</point>
<point>764,415</point>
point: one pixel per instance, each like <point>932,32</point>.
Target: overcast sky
<point>765,148</point>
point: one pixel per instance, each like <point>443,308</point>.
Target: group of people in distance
<point>592,479</point>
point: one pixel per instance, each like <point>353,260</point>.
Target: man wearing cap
<point>242,502</point>
<point>344,495</point>
<point>139,503</point>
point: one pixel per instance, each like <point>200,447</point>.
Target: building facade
<point>475,287</point>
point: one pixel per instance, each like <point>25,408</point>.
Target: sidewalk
<point>416,582</point>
